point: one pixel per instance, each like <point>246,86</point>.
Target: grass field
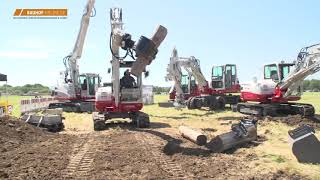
<point>272,154</point>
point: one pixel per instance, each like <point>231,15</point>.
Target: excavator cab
<point>224,77</point>
<point>192,84</point>
<point>188,84</point>
<point>277,72</point>
<point>130,94</point>
<point>89,84</point>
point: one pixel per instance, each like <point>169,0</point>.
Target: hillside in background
<point>28,89</point>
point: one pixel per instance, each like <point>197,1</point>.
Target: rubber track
<point>166,163</point>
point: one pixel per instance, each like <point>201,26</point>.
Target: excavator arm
<point>71,61</point>
<point>308,63</point>
<point>191,65</point>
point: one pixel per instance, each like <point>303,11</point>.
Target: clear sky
<point>249,33</point>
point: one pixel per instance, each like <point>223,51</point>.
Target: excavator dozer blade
<point>305,145</point>
<point>146,50</point>
<point>166,104</point>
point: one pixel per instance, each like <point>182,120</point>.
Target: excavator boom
<point>308,63</point>
<point>191,65</point>
<point>71,61</point>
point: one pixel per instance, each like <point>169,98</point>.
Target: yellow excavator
<point>5,107</point>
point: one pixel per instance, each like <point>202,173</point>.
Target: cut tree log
<point>192,135</point>
<point>140,64</point>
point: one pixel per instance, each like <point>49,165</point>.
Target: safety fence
<point>35,104</point>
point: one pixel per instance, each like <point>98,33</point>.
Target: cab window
<point>83,82</point>
<point>184,83</point>
<point>285,71</point>
<point>271,72</point>
<point>217,72</point>
<point>91,85</point>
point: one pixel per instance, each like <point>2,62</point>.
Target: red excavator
<point>280,86</point>
<point>193,90</point>
<point>116,100</point>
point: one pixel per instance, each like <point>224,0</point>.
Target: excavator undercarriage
<point>276,109</point>
<point>213,102</point>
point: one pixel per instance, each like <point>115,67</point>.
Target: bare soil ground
<point>29,152</point>
<point>119,152</point>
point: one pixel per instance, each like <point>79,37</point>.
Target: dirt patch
<point>293,121</point>
<point>28,152</point>
<point>159,154</point>
<point>120,156</point>
<point>117,153</point>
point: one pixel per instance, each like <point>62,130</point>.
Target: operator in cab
<point>127,81</point>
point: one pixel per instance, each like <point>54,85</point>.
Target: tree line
<point>159,90</point>
<point>28,89</point>
<point>311,85</point>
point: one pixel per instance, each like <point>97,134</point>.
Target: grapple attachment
<point>146,50</point>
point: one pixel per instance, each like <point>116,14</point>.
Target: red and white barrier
<point>35,104</point>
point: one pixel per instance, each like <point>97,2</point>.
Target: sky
<point>248,33</point>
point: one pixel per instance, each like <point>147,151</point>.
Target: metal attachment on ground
<point>51,120</point>
<point>193,135</point>
<point>305,145</point>
<point>241,133</point>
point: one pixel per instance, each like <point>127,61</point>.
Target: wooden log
<point>230,140</point>
<point>140,64</point>
<point>192,135</point>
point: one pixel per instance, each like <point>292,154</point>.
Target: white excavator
<point>195,92</point>
<point>122,97</point>
<point>76,92</point>
<point>184,86</point>
<point>281,84</point>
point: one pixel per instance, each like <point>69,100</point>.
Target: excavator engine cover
<point>146,48</point>
<point>305,145</point>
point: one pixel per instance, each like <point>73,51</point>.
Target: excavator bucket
<point>305,145</point>
<point>50,119</point>
<point>146,50</point>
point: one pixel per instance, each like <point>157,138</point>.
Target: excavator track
<point>174,169</point>
<point>276,109</point>
<point>81,161</point>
